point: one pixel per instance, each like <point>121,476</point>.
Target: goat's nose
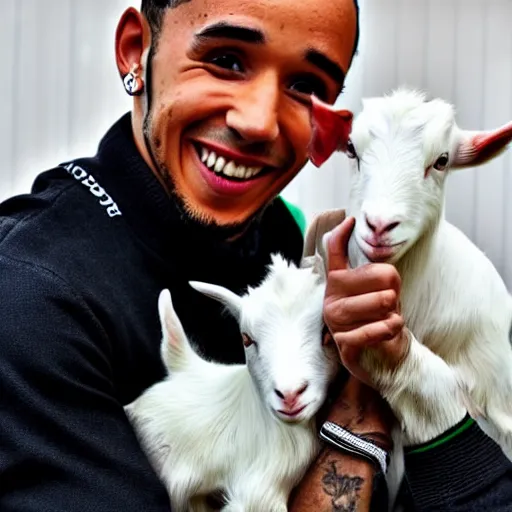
<point>289,398</point>
<point>380,225</point>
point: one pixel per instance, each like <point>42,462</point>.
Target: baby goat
<point>247,430</point>
<point>453,300</point>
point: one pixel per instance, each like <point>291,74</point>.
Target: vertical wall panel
<point>8,45</point>
<point>98,96</point>
<point>41,96</point>
<point>411,47</point>
<point>507,220</point>
<point>61,86</point>
<point>497,110</point>
<point>380,58</point>
<point>469,90</point>
<point>440,41</point>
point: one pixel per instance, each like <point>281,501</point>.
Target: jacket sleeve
<point>65,442</point>
<point>462,471</point>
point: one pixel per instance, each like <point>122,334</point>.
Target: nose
<point>290,398</point>
<point>254,114</point>
<point>380,225</point>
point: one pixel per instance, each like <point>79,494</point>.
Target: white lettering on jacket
<point>88,181</point>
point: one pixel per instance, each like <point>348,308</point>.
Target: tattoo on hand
<point>343,489</point>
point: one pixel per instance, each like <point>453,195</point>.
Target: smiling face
<point>228,122</point>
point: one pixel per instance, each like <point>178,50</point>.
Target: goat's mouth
<point>379,252</point>
<point>293,415</point>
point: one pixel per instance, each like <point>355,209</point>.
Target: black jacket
<point>82,261</point>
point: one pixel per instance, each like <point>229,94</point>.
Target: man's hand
<point>361,307</point>
<point>361,310</point>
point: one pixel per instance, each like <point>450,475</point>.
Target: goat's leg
<point>487,391</point>
<point>423,388</point>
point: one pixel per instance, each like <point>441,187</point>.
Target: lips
<point>219,182</point>
<point>230,163</point>
<point>378,252</point>
<point>292,414</point>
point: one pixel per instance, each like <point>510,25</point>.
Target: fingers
<point>362,305</point>
<point>337,246</point>
<point>345,314</point>
<point>366,279</point>
<point>370,334</point>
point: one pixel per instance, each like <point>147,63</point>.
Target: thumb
<point>337,245</point>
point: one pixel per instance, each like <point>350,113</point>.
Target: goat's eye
<point>351,150</point>
<point>441,163</point>
<point>247,340</point>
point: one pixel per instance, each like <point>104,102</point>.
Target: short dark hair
<point>154,12</point>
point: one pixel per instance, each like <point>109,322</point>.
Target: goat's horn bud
<point>330,131</point>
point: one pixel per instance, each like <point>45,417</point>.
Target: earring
<point>133,84</point>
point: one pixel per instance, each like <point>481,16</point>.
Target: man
<point>184,188</point>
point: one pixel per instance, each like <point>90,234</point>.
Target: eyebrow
<point>225,30</point>
<point>324,63</point>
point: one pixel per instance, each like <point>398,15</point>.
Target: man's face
<point>229,121</point>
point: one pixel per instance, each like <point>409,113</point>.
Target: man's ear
<point>133,37</point>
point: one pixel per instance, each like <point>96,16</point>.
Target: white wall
<point>60,92</point>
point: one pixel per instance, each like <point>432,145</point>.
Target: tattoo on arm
<point>343,489</point>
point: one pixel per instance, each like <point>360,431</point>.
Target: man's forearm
<point>336,482</point>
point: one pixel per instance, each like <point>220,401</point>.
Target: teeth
<point>211,160</point>
<point>230,169</point>
<point>220,165</point>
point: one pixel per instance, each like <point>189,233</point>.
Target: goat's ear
<point>330,130</point>
<point>231,300</point>
<point>174,340</point>
<point>475,148</point>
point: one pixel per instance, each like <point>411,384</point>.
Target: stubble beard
<point>196,220</point>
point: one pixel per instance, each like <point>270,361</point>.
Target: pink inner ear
<point>481,147</point>
<point>330,131</point>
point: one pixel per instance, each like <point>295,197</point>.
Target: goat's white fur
<point>210,426</point>
<point>456,307</point>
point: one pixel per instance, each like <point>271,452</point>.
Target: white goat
<point>247,430</point>
<point>453,300</point>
